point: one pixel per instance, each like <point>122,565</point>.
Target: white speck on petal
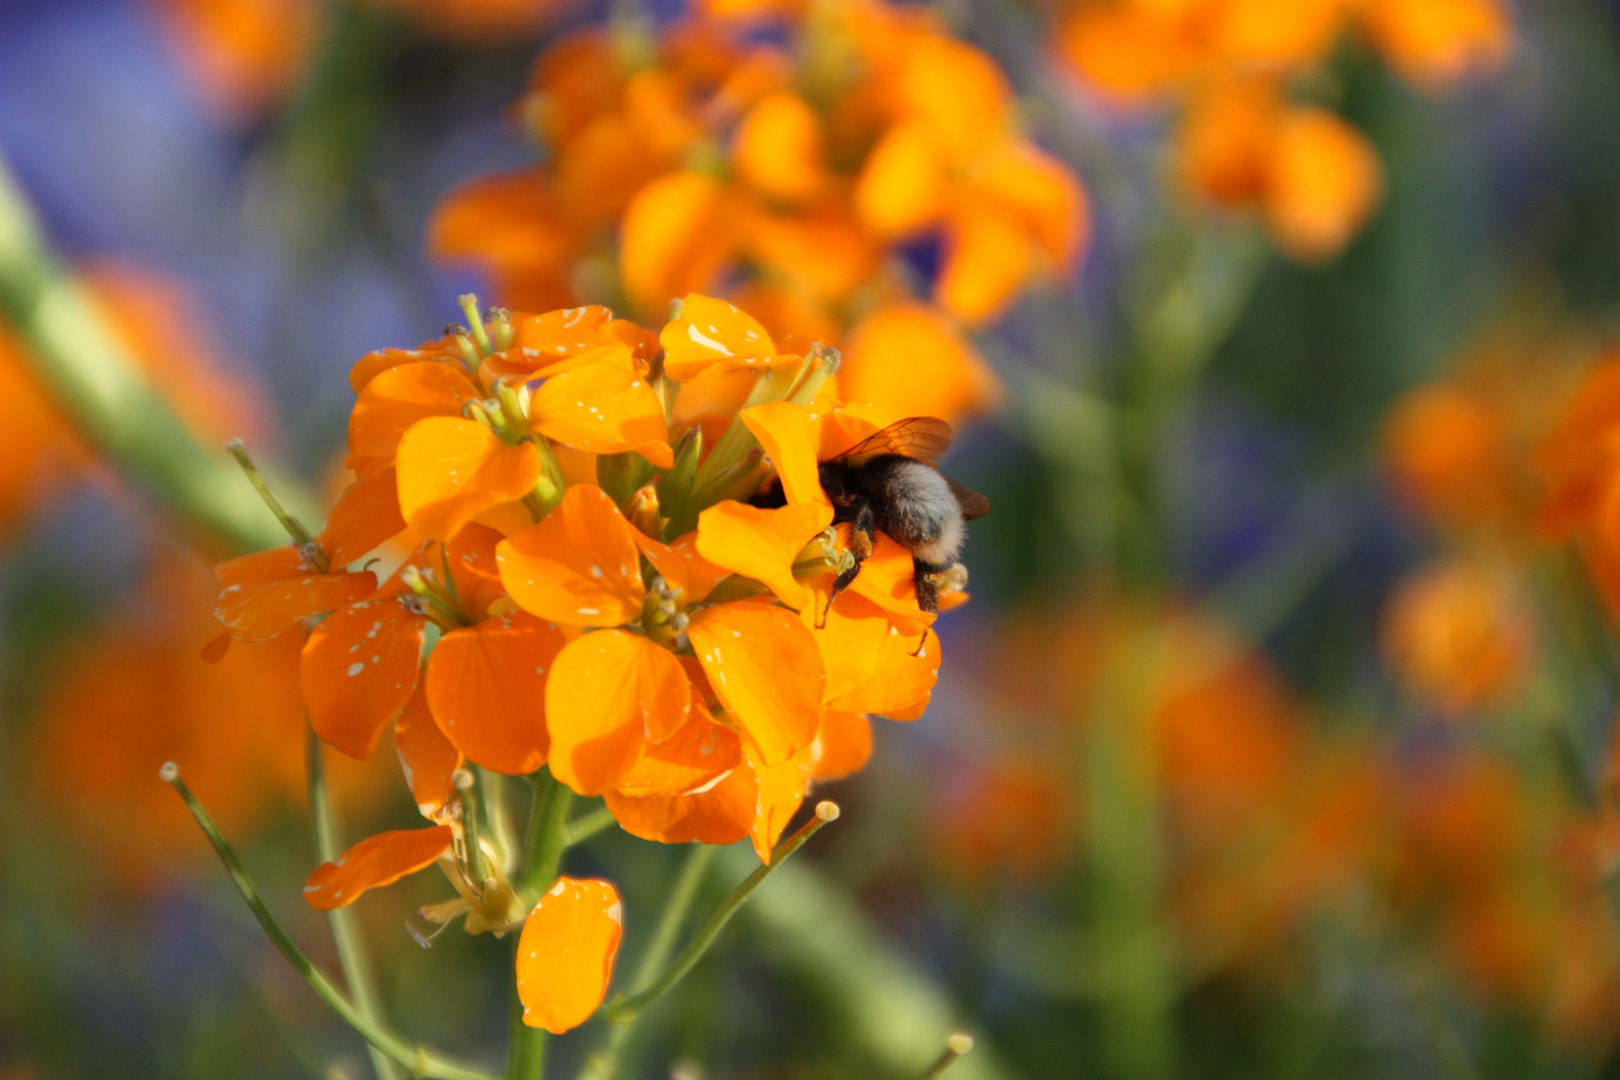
<point>557,889</point>
<point>356,668</point>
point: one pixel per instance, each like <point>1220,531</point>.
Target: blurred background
<point>1277,740</point>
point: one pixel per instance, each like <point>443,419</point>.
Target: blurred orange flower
<point>794,178</point>
<point>1460,634</point>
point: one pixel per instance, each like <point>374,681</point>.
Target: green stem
<point>351,946</point>
<point>586,826</point>
<point>417,1060</point>
<point>289,521</point>
<point>91,375</point>
<point>543,847</point>
<point>604,1064</point>
<point>955,1046</point>
<point>624,1010</point>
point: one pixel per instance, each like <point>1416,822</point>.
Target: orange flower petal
<point>610,691</point>
<point>869,661</point>
<point>692,760</point>
<point>451,470</point>
<point>373,862</point>
<point>603,408</point>
<point>909,360</point>
<point>675,236</point>
<point>764,667</point>
<point>365,517</point>
<point>428,759</point>
<point>394,401</point>
<point>579,566</point>
<point>264,593</point>
<point>565,954</point>
<point>957,90</point>
<point>902,186</point>
<point>843,745</point>
<point>358,670</point>
<point>781,791</point>
<point>1045,194</point>
<point>723,814</point>
<point>1325,183</point>
<point>889,580</point>
<point>779,147</point>
<point>712,334</point>
<point>374,363</point>
<point>680,565</point>
<point>487,686</point>
<point>989,255</point>
<point>790,436</point>
<point>761,544</point>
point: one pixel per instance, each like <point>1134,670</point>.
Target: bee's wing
<point>972,503</point>
<point>921,438</point>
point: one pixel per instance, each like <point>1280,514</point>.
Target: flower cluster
<point>1235,68</point>
<point>811,174</point>
<point>592,590</point>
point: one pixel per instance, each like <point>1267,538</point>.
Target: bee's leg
<point>863,528</point>
<point>927,576</point>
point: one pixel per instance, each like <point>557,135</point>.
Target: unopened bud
<point>169,773</point>
<point>827,810</point>
<point>960,1043</point>
<point>462,779</point>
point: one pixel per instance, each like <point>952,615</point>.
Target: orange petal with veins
<point>373,862</point>
<point>610,692</point>
<point>781,791</point>
<point>603,408</point>
<point>451,470</point>
<point>428,759</point>
<point>565,954</point>
<point>264,593</point>
<point>692,760</point>
<point>365,517</point>
<point>394,401</point>
<point>579,566</point>
<point>764,667</point>
<point>791,436</point>
<point>761,544</point>
<point>358,670</point>
<point>487,685</point>
<point>722,814</point>
<point>869,661</point>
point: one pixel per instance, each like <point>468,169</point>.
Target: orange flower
<point>485,679</point>
<point>720,159</point>
<point>1459,634</point>
<point>613,691</point>
<point>244,55</point>
<point>1315,177</point>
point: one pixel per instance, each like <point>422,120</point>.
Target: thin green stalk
<point>624,1010</point>
<point>543,850</point>
<point>417,1060</point>
<point>289,521</point>
<point>604,1064</point>
<point>586,826</point>
<point>955,1046</point>
<point>353,957</point>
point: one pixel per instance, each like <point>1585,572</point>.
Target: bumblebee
<point>887,483</point>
